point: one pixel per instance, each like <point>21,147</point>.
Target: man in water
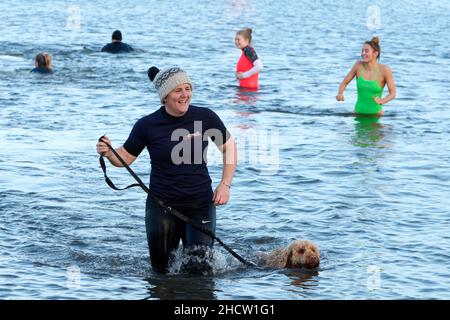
<point>117,46</point>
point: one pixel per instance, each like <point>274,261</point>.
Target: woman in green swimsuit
<point>371,79</point>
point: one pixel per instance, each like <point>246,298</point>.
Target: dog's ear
<point>287,262</point>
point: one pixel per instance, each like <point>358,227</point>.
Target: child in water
<point>249,65</point>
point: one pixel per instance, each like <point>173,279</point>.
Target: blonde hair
<point>43,59</point>
<point>375,45</point>
<point>246,33</point>
<point>48,60</point>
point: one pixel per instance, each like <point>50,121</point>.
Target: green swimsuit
<point>367,90</point>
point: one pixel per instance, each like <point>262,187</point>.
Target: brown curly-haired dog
<point>299,254</point>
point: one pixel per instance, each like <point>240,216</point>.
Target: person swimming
<point>371,79</point>
<point>249,64</point>
<point>42,64</point>
<point>117,46</point>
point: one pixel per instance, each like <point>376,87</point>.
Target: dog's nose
<point>312,263</point>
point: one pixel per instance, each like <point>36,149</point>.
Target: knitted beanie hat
<point>168,79</point>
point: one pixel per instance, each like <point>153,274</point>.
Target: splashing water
<point>201,259</point>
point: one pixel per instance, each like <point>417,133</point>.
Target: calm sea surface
<point>373,195</point>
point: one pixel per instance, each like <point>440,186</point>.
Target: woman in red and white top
<point>249,65</point>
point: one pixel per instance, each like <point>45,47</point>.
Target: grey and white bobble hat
<point>168,79</point>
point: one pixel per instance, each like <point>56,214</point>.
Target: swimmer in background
<point>249,65</point>
<point>117,46</point>
<point>41,64</point>
<point>371,79</point>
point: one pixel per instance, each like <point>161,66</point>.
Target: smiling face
<point>241,42</point>
<point>178,100</point>
<point>368,54</point>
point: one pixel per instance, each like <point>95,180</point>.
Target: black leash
<point>167,209</point>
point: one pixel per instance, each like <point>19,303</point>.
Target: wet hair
<point>375,45</point>
<point>246,33</point>
<point>117,35</point>
<point>48,60</point>
<point>40,60</point>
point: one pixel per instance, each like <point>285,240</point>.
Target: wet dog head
<point>302,254</point>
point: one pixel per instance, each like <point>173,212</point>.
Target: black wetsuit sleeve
<point>250,53</point>
<point>217,131</point>
<point>136,141</point>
